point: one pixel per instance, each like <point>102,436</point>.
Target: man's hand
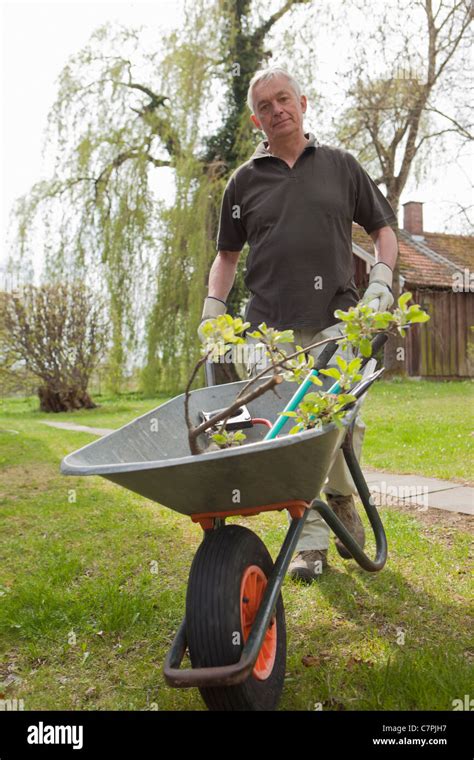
<point>213,307</point>
<point>380,287</point>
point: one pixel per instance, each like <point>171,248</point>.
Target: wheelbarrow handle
<point>337,526</point>
<point>321,362</point>
<point>376,344</point>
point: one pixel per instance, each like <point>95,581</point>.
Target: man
<point>294,202</point>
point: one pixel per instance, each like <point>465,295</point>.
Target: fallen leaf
<point>309,660</point>
<point>358,661</point>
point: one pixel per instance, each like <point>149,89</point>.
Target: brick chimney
<point>413,218</point>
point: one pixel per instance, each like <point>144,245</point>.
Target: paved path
<point>384,486</point>
<point>78,428</point>
<point>417,490</point>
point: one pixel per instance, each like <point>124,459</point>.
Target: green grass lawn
<point>421,427</point>
<point>93,578</point>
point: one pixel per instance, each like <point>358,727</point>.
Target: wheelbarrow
<point>234,625</point>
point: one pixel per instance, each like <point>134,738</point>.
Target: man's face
<point>278,110</point>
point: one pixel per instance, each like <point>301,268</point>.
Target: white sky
<point>38,38</point>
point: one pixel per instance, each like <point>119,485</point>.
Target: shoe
<point>308,565</point>
<point>344,508</point>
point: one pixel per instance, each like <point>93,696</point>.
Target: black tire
<point>213,617</point>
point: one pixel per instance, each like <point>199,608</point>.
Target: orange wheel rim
<point>252,587</point>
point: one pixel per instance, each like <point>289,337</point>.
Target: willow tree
<point>107,132</point>
<point>123,114</point>
<point>238,50</point>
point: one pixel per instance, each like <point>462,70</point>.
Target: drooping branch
<point>116,162</point>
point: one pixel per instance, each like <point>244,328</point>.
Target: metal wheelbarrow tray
<point>234,586</point>
<point>151,457</point>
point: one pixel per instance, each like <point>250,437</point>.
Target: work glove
<point>379,292</point>
<point>213,307</point>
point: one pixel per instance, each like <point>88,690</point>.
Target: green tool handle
<point>324,357</point>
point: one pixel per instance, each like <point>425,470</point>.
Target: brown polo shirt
<point>298,224</point>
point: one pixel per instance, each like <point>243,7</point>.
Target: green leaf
<point>332,372</point>
<point>286,336</point>
<point>346,398</point>
<point>416,314</point>
<point>421,317</point>
<point>354,365</point>
<point>403,300</point>
<point>312,397</point>
<point>382,319</point>
<point>295,429</point>
<point>365,347</point>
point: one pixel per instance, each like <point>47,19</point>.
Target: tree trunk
<point>65,400</point>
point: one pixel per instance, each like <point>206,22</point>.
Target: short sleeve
<point>372,210</point>
<point>231,235</point>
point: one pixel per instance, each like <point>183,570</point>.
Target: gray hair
<point>264,75</point>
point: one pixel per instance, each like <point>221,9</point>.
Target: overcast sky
<point>38,38</point>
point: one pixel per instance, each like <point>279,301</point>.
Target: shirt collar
<point>262,149</point>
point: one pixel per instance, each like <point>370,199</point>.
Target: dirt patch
<point>22,478</point>
<point>437,523</point>
<point>437,517</point>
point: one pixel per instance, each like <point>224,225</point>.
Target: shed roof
<point>429,262</point>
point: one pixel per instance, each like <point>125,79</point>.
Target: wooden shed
<point>438,269</point>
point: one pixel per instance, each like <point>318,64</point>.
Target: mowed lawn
<point>93,578</point>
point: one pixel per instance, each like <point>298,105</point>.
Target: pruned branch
<point>242,397</point>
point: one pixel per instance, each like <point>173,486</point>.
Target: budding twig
<point>241,398</point>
